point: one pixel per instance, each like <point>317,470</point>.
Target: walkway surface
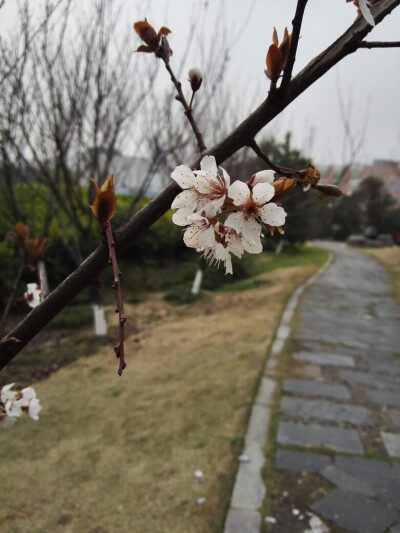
<point>338,436</point>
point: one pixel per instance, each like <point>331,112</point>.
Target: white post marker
<point>100,324</point>
<point>197,282</point>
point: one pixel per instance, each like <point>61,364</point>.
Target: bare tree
<point>243,135</point>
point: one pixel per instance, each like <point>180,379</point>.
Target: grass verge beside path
<point>390,258</point>
<point>118,454</point>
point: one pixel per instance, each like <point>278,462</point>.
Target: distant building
<point>136,174</point>
<point>388,172</point>
<point>349,177</point>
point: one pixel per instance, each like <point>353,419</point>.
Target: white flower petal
<point>183,176</point>
<point>34,409</point>
<point>28,394</point>
<point>208,163</point>
<point>7,394</point>
<point>235,245</point>
<point>180,218</point>
<point>13,409</point>
<point>235,221</point>
<point>197,237</point>
<point>366,13</point>
<point>251,231</point>
<point>273,215</point>
<point>187,198</point>
<point>252,247</point>
<point>206,182</point>
<point>263,192</point>
<point>239,192</point>
<point>264,176</point>
<point>226,177</point>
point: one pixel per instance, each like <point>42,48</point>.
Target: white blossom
<point>14,403</point>
<point>253,207</point>
<point>32,295</point>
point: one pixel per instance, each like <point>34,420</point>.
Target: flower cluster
<point>14,403</point>
<point>224,219</point>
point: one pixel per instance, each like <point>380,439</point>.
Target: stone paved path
<point>340,407</point>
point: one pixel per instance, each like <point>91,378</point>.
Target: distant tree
<point>376,204</point>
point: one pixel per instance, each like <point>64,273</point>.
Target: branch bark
<point>88,271</point>
<point>379,44</point>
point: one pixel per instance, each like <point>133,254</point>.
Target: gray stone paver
<point>300,461</point>
<point>315,388</point>
<point>366,469</point>
<point>384,397</point>
<point>392,444</point>
<point>313,435</point>
<point>346,481</point>
<point>369,378</point>
<point>324,410</point>
<point>325,359</point>
<point>356,512</point>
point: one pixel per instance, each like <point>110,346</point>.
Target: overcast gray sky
<point>369,78</point>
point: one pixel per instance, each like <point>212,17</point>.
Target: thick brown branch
<point>298,19</point>
<point>11,297</point>
<point>88,271</point>
<point>379,44</point>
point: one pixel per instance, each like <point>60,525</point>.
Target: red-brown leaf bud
<point>195,79</point>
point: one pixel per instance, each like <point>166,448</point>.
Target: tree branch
<point>298,19</point>
<point>379,44</point>
<point>88,271</point>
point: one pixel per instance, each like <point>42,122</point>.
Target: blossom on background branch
<point>13,404</point>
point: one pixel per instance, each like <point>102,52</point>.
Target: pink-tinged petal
<point>183,176</point>
<point>251,231</point>
<point>264,176</point>
<point>226,177</point>
<point>252,247</point>
<point>366,13</point>
<point>187,198</point>
<point>272,215</point>
<point>235,221</point>
<point>208,163</point>
<point>239,192</point>
<point>181,217</point>
<point>263,192</point>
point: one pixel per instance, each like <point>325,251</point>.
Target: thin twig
<point>298,18</point>
<point>284,171</point>
<point>379,44</point>
<point>187,107</point>
<point>119,347</point>
<point>11,296</point>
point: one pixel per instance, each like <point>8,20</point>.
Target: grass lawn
<point>390,258</point>
<point>113,454</point>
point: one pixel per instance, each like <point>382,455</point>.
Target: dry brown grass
<point>390,258</point>
<point>118,454</point>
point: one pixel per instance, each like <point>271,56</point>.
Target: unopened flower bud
<point>195,78</point>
